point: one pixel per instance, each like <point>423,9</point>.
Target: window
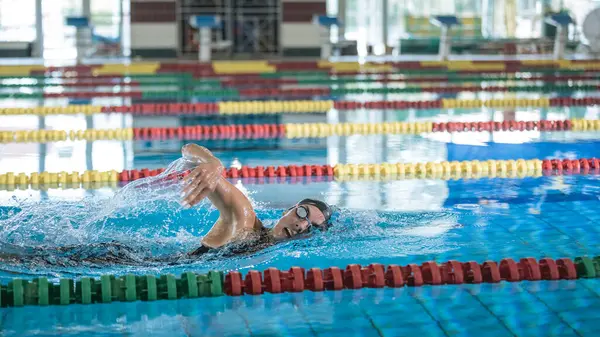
<point>17,20</point>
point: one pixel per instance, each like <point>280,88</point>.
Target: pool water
<point>388,222</point>
<point>558,308</point>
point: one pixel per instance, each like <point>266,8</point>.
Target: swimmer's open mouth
<point>287,232</point>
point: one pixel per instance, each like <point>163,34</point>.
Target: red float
<point>253,283</point>
<point>566,269</point>
<point>585,166</point>
<point>124,175</point>
<point>431,273</point>
<point>546,165</point>
<point>490,272</point>
<point>318,170</point>
<point>567,166</point>
<point>281,171</point>
<point>233,283</point>
<point>353,277</point>
<point>412,275</point>
<point>509,270</point>
<point>394,276</point>
<point>307,170</point>
<point>557,165</point>
<point>576,168</point>
<point>452,272</point>
<point>134,175</point>
<point>549,269</point>
<point>260,172</point>
<point>314,280</point>
<point>333,278</point>
<point>594,164</point>
<point>374,275</point>
<point>272,281</point>
<point>529,269</point>
<point>293,280</point>
<point>233,173</point>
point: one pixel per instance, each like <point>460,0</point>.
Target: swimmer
<point>237,221</point>
<point>237,230</point>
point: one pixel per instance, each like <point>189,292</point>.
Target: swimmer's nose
<point>301,225</point>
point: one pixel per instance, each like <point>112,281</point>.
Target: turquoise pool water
<point>399,222</point>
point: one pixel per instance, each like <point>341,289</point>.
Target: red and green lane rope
<point>136,81</point>
<point>128,288</point>
<point>234,93</point>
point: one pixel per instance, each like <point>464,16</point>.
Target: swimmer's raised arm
<point>206,180</point>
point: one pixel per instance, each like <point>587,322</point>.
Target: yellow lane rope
<point>44,136</point>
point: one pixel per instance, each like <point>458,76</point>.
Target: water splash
<point>145,213</point>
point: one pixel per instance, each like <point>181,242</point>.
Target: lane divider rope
<point>129,288</point>
<point>135,81</point>
<point>315,130</point>
<point>233,93</point>
<point>219,68</point>
<point>383,79</point>
<point>304,92</point>
<point>292,130</point>
<point>299,106</point>
<point>471,169</point>
<point>257,67</point>
<point>423,75</point>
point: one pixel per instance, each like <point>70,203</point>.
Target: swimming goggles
<point>303,212</point>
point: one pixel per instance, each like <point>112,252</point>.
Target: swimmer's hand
<point>202,181</point>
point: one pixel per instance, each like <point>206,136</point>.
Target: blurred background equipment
<point>591,32</point>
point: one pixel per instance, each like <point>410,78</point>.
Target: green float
<point>147,288</point>
<point>586,267</point>
<point>188,285</point>
<point>66,291</point>
<point>167,287</point>
<point>15,293</point>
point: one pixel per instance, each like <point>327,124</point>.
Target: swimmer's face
<point>291,225</point>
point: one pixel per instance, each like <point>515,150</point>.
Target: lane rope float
<point>386,79</point>
<point>298,106</point>
<point>231,68</point>
<point>445,170</point>
<point>234,93</point>
<point>129,288</point>
<point>188,81</point>
<point>211,77</point>
<point>291,130</point>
